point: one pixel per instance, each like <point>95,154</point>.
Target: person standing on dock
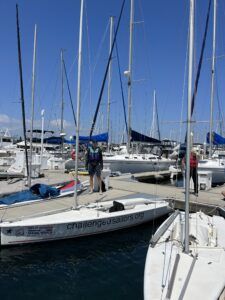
<point>193,169</point>
<point>94,164</point>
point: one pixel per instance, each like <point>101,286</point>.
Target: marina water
<point>108,266</point>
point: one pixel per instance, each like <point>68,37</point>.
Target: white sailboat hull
<point>216,166</point>
<point>88,220</point>
<point>172,274</point>
<point>137,164</point>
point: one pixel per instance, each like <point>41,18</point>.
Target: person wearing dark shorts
<point>193,169</point>
<point>94,164</point>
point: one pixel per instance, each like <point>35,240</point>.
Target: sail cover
<point>103,137</point>
<point>138,137</point>
<point>56,140</point>
<point>36,192</point>
<point>216,139</point>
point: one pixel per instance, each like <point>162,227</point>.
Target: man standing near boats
<point>193,169</point>
<point>94,164</point>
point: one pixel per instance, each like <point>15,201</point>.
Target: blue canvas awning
<point>216,139</point>
<point>103,137</point>
<point>56,140</point>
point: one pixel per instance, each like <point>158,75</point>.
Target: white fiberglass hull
<point>216,166</point>
<point>172,274</point>
<point>87,220</point>
<point>137,164</point>
<point>70,164</point>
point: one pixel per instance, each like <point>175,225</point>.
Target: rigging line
<point>106,72</point>
<point>221,121</point>
<point>48,82</point>
<point>53,102</point>
<point>220,25</point>
<point>145,38</point>
<point>157,122</point>
<point>183,91</point>
<point>97,60</point>
<point>38,99</point>
<point>200,62</point>
<point>98,52</point>
<point>222,8</point>
<point>21,88</point>
<point>121,84</point>
<point>88,51</point>
<point>71,102</point>
<point>73,63</point>
<point>100,46</point>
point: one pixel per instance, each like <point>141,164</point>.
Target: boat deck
<point>120,187</point>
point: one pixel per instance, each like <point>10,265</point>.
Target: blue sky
<point>160,45</point>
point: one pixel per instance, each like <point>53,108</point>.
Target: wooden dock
<point>120,187</point>
<point>207,201</point>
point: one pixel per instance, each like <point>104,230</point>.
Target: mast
<point>129,73</point>
<point>21,88</point>
<point>152,132</point>
<point>78,100</point>
<point>62,100</point>
<point>109,78</point>
<point>212,82</point>
<point>32,105</point>
<point>157,121</point>
<point>190,71</point>
<point>42,133</point>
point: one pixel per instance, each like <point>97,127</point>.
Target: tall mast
<point>129,73</point>
<point>155,133</point>
<point>62,99</point>
<point>42,132</point>
<point>152,132</point>
<point>109,79</point>
<point>32,104</point>
<point>157,121</point>
<point>21,88</point>
<point>190,72</point>
<point>212,82</point>
<point>78,100</point>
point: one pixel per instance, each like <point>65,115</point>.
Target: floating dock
<point>211,202</point>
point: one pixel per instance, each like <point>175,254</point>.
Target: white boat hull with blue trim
<point>86,220</point>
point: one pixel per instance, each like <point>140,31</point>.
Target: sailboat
<point>186,256</point>
<point>216,166</point>
<point>82,220</point>
<point>129,162</point>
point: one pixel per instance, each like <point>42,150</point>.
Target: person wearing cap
<point>193,169</point>
<point>94,164</point>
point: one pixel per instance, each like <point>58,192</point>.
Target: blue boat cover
<point>45,191</point>
<point>55,140</point>
<point>103,137</point>
<point>216,139</point>
<point>36,192</point>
